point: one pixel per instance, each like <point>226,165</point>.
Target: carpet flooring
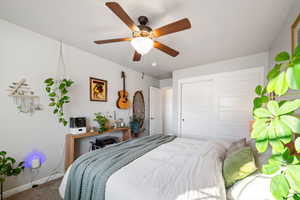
<point>48,191</point>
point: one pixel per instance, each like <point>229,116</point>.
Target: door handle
<point>182,119</point>
<point>152,118</point>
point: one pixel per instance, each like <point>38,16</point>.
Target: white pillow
<point>254,187</point>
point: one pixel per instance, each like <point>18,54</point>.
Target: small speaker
<point>78,125</point>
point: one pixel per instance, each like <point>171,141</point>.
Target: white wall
<point>283,41</point>
<point>257,60</point>
<point>165,83</point>
<point>25,54</point>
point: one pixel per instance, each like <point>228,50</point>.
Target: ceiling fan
<point>143,37</point>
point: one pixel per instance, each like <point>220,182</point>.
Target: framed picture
<point>98,89</point>
<point>296,33</point>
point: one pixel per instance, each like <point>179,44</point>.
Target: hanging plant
<point>57,93</point>
<point>277,125</point>
<point>57,89</point>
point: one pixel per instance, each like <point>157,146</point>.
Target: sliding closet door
<point>218,105</point>
<point>197,108</point>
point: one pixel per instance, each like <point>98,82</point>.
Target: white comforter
<point>183,169</point>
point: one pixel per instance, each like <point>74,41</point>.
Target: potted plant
<point>8,167</point>
<point>135,122</point>
<point>277,125</point>
<point>57,92</point>
<point>102,121</point>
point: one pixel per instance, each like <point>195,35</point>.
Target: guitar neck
<point>124,84</point>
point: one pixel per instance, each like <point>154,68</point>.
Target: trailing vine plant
<point>277,125</point>
<point>57,93</point>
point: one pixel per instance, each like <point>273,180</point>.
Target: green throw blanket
<point>90,172</point>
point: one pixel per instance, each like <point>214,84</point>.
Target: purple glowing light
<point>32,156</point>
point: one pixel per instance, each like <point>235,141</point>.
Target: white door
<point>197,109</point>
<point>155,111</point>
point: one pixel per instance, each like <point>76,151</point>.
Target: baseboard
<point>27,186</point>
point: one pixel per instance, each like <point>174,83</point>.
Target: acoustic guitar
<point>123,101</point>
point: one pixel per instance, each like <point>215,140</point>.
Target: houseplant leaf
<point>281,84</point>
<point>270,169</point>
<point>279,187</point>
<point>272,84</point>
<point>293,77</point>
<point>262,145</point>
<point>293,176</point>
<point>273,107</point>
<point>289,106</point>
<point>282,56</point>
<point>292,122</point>
<point>275,71</point>
<point>258,89</point>
<point>262,113</point>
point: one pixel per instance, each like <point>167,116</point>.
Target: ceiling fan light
<point>142,44</point>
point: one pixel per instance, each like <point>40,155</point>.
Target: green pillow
<point>238,165</point>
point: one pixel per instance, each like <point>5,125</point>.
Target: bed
<point>182,169</point>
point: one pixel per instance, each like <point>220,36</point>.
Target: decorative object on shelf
<point>139,106</point>
<point>277,124</point>
<point>296,33</point>
<point>34,159</point>
<point>123,101</point>
<point>135,124</point>
<point>98,89</point>
<point>57,89</point>
<point>102,121</point>
<point>23,97</point>
<point>8,167</point>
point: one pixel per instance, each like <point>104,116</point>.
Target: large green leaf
<point>282,56</point>
<point>261,145</point>
<point>293,77</point>
<point>277,146</point>
<point>279,187</point>
<point>289,106</point>
<point>281,84</point>
<point>262,113</point>
<point>270,169</point>
<point>292,122</point>
<point>283,132</point>
<point>293,177</point>
<point>273,107</point>
<point>297,145</point>
<point>275,71</point>
<point>259,126</point>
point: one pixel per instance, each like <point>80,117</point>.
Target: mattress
<point>184,169</point>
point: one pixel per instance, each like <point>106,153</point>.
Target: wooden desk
<point>70,142</point>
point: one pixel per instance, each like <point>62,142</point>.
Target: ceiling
<point>221,29</point>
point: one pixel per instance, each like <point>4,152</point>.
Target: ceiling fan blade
<point>174,27</point>
<point>165,49</point>
<point>136,56</point>
<point>118,10</point>
<point>112,40</point>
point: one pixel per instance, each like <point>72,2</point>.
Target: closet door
<point>197,110</point>
<point>218,105</point>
